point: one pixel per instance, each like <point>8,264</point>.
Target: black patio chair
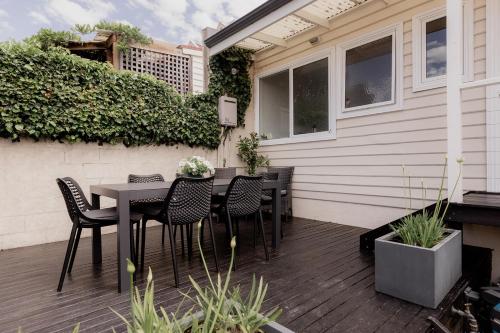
<point>285,179</point>
<point>187,202</point>
<point>141,206</point>
<point>82,216</point>
<point>243,197</point>
<point>222,173</point>
<point>267,195</point>
<point>225,173</point>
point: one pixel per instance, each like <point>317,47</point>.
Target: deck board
<point>319,278</point>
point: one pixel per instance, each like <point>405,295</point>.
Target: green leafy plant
<point>54,95</point>
<point>46,93</point>
<point>247,152</point>
<point>222,309</point>
<point>225,310</point>
<point>145,317</point>
<point>426,229</point>
<point>126,34</point>
<point>229,76</point>
<point>47,38</point>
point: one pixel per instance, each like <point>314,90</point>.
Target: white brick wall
<point>32,210</point>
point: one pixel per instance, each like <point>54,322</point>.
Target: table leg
<point>276,217</point>
<point>123,241</point>
<point>96,234</point>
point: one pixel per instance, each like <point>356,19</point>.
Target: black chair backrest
<point>145,178</point>
<point>285,175</point>
<point>154,178</point>
<point>225,173</point>
<point>269,176</point>
<point>189,199</point>
<point>76,203</point>
<point>243,195</point>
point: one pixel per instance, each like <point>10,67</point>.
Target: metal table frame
<point>123,193</point>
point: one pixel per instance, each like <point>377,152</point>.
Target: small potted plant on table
<point>421,260</point>
<point>195,166</point>
<point>247,152</point>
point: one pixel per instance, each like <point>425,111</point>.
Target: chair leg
<point>163,234</point>
<point>189,230</point>
<point>263,234</point>
<point>182,238</point>
<point>172,250</point>
<point>75,247</point>
<point>237,223</point>
<point>286,213</point>
<point>254,230</point>
<point>69,249</point>
<point>212,236</point>
<point>143,243</point>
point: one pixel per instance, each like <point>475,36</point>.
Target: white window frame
<point>296,138</point>
<point>420,81</point>
<point>396,102</point>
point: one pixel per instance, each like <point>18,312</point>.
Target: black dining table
<point>124,193</point>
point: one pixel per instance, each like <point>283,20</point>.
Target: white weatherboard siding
<point>474,110</point>
<point>475,120</point>
<point>356,179</point>
<point>33,209</point>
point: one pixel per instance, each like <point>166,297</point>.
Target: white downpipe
<point>454,33</point>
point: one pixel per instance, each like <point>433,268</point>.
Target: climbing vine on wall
<point>229,76</point>
<point>50,94</point>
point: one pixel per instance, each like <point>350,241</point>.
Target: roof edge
<point>245,21</point>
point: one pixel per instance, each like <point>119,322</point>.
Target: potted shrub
<point>420,260</point>
<point>195,166</point>
<point>247,152</point>
<point>217,307</point>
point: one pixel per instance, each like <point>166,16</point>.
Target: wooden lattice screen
<point>175,69</point>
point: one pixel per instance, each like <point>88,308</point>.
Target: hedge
<point>52,94</point>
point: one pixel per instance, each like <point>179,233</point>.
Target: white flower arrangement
<point>195,166</point>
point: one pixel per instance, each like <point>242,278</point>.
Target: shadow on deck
<point>319,278</point>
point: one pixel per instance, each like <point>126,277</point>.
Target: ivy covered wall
<point>50,94</point>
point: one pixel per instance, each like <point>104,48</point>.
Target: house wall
<point>475,122</point>
<point>32,208</point>
<point>357,178</point>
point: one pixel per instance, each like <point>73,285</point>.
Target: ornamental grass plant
<point>218,307</point>
<point>427,228</point>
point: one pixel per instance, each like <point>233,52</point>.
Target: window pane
<point>368,73</point>
<point>274,115</point>
<point>310,98</point>
<point>435,46</point>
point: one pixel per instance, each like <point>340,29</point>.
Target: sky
<point>176,21</point>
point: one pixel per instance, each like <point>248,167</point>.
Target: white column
<point>493,95</point>
<point>454,39</point>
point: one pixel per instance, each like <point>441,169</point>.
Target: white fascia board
<point>259,25</point>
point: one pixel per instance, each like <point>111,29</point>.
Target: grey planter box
<point>415,274</point>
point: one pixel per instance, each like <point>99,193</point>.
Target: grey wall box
<point>228,111</point>
<point>415,274</point>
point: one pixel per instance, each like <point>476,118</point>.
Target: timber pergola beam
<point>304,14</point>
<point>270,39</point>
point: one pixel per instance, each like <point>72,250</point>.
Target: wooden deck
<point>319,277</point>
